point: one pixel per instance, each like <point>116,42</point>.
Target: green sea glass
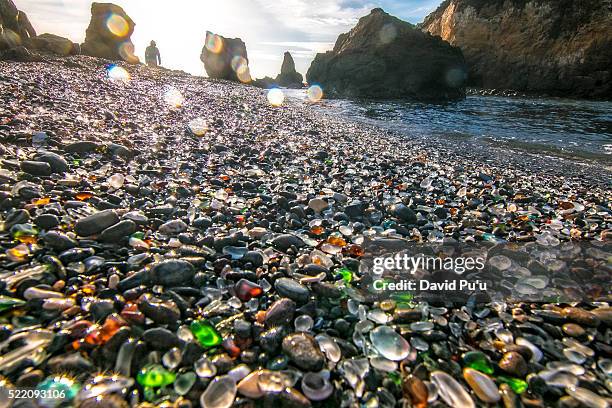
<point>395,377</point>
<point>519,386</point>
<point>138,235</point>
<point>205,333</point>
<point>7,303</point>
<point>21,230</point>
<point>155,376</point>
<point>478,361</point>
<point>347,275</point>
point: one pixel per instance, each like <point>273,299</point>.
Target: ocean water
<point>557,127</point>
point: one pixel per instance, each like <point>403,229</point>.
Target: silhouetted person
<point>152,56</point>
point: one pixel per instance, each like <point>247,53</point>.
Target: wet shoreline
<point>569,129</point>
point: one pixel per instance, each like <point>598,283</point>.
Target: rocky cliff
<point>556,47</point>
<point>109,32</point>
<point>385,57</point>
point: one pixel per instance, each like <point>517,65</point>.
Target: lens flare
<point>126,50</point>
<point>198,126</point>
<point>117,25</point>
<point>244,75</point>
<point>117,74</point>
<point>455,77</point>
<point>241,66</point>
<point>387,33</point>
<point>238,62</point>
<point>276,97</point>
<point>214,43</point>
<point>173,97</point>
<point>314,93</point>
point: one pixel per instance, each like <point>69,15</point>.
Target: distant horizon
<point>302,27</point>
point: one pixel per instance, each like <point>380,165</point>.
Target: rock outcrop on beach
<point>19,40</point>
<point>288,76</point>
<point>54,44</point>
<point>15,27</point>
<point>264,83</point>
<point>21,54</point>
<point>225,58</point>
<point>556,47</point>
<point>108,34</point>
<point>385,57</point>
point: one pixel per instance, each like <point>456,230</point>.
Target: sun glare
<point>198,126</point>
<point>314,93</point>
<point>241,67</point>
<point>127,52</point>
<point>214,43</point>
<point>117,25</point>
<point>276,97</point>
<point>117,74</point>
<point>173,97</point>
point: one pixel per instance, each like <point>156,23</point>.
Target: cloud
<point>303,45</point>
<point>352,4</point>
<point>317,20</point>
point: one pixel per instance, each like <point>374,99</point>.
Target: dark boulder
<point>265,83</point>
<point>108,34</point>
<point>288,76</point>
<point>225,58</point>
<point>385,57</point>
<point>20,54</point>
<point>54,44</point>
<point>15,27</point>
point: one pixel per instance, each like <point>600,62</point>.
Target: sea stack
<point>225,58</point>
<point>288,76</point>
<point>386,58</point>
<point>109,34</point>
<point>15,27</point>
<point>555,47</point>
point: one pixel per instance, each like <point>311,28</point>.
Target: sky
<point>268,27</point>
